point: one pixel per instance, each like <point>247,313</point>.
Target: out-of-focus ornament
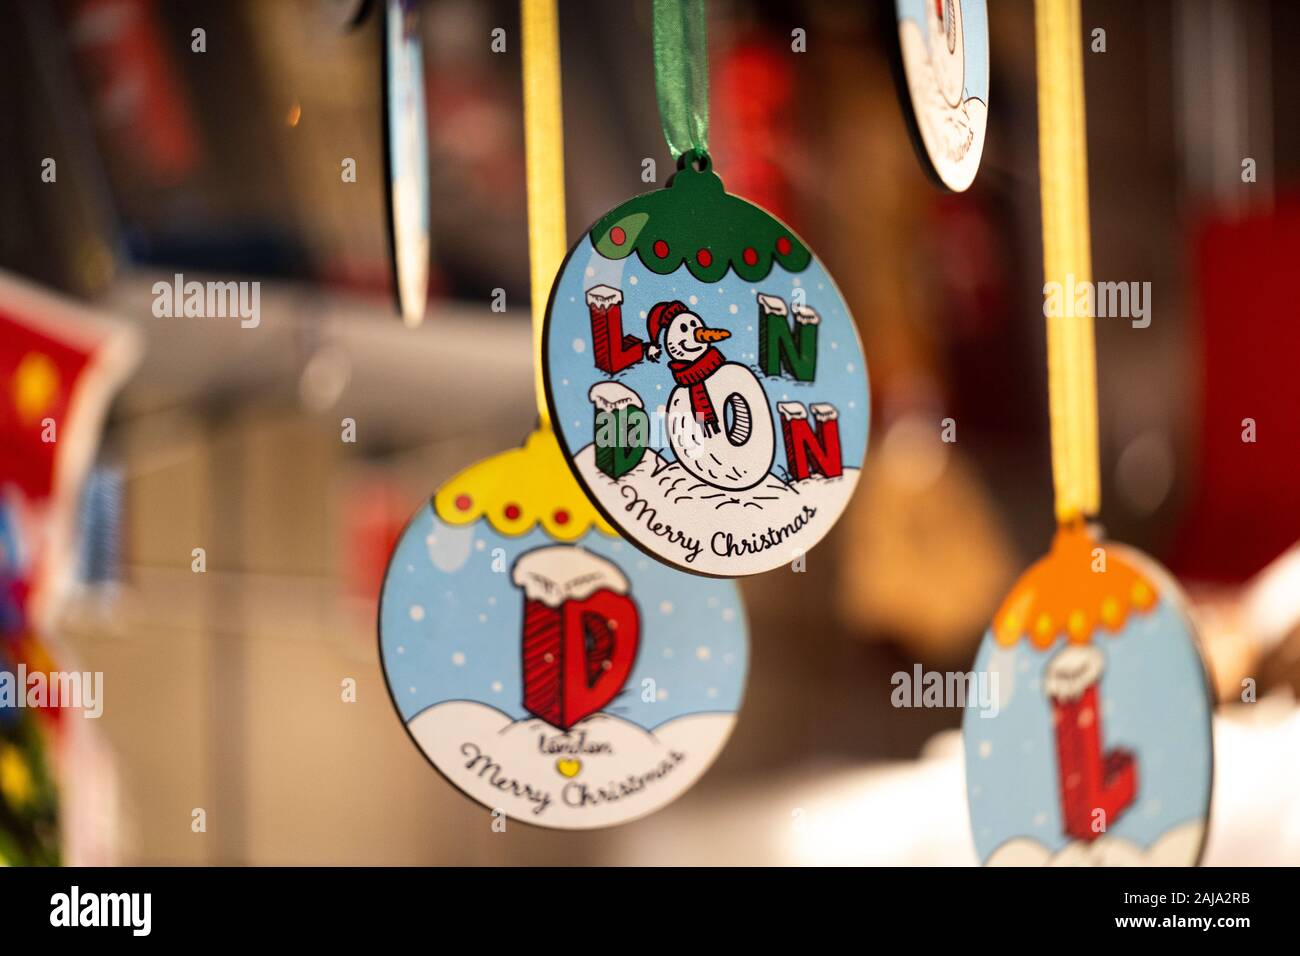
<point>1093,746</point>
<point>543,666</point>
<point>406,147</point>
<point>1089,743</point>
<point>60,364</point>
<point>941,65</point>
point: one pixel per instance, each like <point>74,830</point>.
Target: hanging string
<point>544,161</point>
<point>1067,258</point>
<point>682,75</point>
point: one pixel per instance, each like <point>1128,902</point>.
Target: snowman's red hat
<point>658,319</point>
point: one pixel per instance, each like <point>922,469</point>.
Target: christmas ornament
<point>407,156</point>
<point>941,67</point>
<point>541,664</point>
<point>703,372</point>
<point>1096,749</point>
<point>545,667</point>
<point>1094,745</point>
<point>59,367</point>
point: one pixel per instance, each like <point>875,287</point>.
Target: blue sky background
<point>975,25</point>
<point>1154,702</point>
<point>464,642</point>
<point>841,370</point>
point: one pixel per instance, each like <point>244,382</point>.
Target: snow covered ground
<point>1178,847</point>
<point>713,531</point>
<point>604,771</point>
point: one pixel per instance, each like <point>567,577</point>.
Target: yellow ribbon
<point>544,161</point>
<point>1063,171</point>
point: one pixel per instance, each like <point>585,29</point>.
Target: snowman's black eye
<point>682,327</point>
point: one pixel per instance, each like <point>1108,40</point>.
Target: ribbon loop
<point>682,74</point>
<point>1067,257</point>
<point>544,168</point>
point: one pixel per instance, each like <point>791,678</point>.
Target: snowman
<point>718,421</point>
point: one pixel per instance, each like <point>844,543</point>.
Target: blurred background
<point>222,688</point>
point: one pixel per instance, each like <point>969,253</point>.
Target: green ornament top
<point>696,221</point>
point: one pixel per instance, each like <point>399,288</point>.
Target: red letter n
<point>807,451</point>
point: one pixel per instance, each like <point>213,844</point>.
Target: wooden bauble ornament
<point>1088,742</point>
<point>706,379</point>
<point>940,55</point>
<point>544,666</point>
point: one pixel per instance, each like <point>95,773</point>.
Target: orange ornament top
<point>1077,588</point>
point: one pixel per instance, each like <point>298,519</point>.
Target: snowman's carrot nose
<point>711,335</point>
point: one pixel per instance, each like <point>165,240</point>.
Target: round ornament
<point>407,156</point>
<point>706,379</point>
<point>1088,740</point>
<point>542,665</point>
<point>941,67</point>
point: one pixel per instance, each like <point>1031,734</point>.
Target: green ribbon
<point>682,75</point>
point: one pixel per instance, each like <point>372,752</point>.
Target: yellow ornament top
<point>519,489</point>
<point>1077,588</point>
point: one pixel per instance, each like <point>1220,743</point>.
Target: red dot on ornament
<point>661,249</point>
<point>783,246</point>
<point>704,258</point>
<point>463,502</point>
<point>561,517</point>
<point>617,236</point>
<point>512,511</point>
<point>750,256</point>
